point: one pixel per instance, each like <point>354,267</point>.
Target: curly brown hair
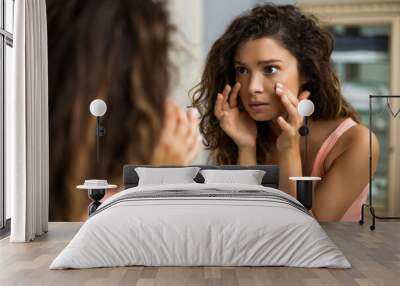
<point>115,50</point>
<point>301,35</point>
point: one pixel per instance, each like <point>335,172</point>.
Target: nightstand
<point>96,190</point>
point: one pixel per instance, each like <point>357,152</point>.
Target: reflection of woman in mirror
<point>256,73</point>
<point>118,51</point>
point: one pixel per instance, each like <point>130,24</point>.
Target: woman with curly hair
<point>255,74</point>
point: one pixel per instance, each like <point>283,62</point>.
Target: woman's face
<point>259,65</point>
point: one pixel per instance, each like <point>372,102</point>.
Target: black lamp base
<point>304,190</point>
<point>95,195</point>
<point>305,193</point>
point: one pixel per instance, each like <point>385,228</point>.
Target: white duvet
<point>207,230</point>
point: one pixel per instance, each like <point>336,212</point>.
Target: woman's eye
<point>241,70</point>
<point>270,70</point>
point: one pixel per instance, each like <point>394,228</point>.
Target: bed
<point>201,224</point>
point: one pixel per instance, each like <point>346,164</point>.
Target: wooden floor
<point>375,256</point>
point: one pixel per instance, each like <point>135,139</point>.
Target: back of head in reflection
<point>113,50</point>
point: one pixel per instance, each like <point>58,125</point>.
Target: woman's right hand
<point>237,124</point>
<point>180,139</point>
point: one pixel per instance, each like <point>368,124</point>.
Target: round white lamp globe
<point>305,107</point>
<point>98,107</point>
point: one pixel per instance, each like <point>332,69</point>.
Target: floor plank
<point>374,255</point>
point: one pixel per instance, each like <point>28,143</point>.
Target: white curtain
<point>27,124</point>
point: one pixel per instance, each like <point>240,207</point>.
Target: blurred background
<point>366,58</point>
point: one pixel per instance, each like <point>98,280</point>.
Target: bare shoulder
<point>354,142</point>
<point>358,137</point>
<point>356,134</point>
<point>359,143</point>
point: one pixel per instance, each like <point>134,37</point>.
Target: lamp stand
<point>100,132</point>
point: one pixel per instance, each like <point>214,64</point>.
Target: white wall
<point>187,16</point>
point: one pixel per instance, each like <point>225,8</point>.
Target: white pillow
<point>163,175</point>
<point>249,177</point>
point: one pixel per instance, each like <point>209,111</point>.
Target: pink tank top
<point>318,170</point>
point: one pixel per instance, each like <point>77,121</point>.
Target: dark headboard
<point>270,179</point>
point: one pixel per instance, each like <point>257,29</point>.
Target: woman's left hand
<point>289,138</point>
